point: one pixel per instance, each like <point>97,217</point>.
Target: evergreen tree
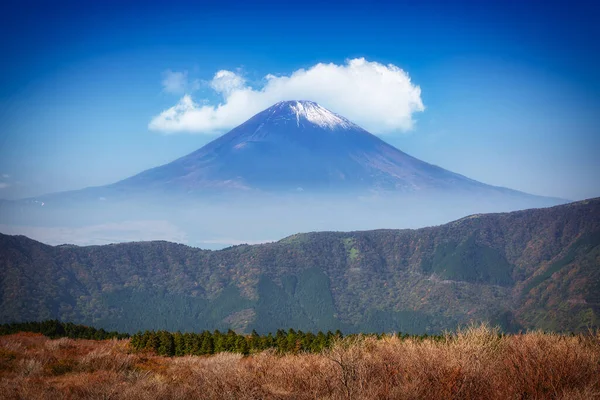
<point>291,344</point>
<point>219,342</point>
<point>167,344</point>
<point>153,341</point>
<point>241,345</point>
<point>307,341</point>
<point>196,345</point>
<point>254,341</point>
<point>135,341</point>
<point>281,341</point>
<point>230,340</point>
<point>207,344</point>
<point>188,343</point>
<point>319,343</point>
<point>179,344</point>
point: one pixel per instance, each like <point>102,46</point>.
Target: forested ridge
<point>527,269</point>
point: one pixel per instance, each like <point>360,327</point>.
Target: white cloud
<point>227,82</point>
<point>178,82</point>
<point>380,98</point>
<point>5,176</point>
<point>4,185</point>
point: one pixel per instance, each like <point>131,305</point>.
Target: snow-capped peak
<point>316,114</point>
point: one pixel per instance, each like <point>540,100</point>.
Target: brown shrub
<point>108,356</point>
<point>7,359</point>
<point>30,367</point>
<point>58,344</point>
<point>549,365</point>
<point>61,367</point>
<point>473,363</point>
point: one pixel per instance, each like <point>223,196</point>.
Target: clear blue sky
<point>511,89</point>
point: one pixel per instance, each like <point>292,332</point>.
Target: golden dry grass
<point>475,363</point>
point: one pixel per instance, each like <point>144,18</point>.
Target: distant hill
<point>537,268</point>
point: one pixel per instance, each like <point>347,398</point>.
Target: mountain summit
<point>309,112</point>
<point>299,145</point>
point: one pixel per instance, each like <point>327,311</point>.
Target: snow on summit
<point>315,113</point>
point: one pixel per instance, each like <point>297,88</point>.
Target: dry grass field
<point>475,363</point>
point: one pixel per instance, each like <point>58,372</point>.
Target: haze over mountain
<point>293,167</point>
<point>527,269</point>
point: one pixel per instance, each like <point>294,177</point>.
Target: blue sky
<point>510,89</point>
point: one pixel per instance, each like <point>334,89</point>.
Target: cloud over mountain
<point>380,98</point>
<point>176,82</point>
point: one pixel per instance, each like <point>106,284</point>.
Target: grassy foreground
<point>475,363</point>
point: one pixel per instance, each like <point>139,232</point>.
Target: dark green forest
<point>520,270</point>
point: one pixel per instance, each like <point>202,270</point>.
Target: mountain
<point>289,147</point>
<point>294,167</point>
<point>537,268</point>
<point>298,145</point>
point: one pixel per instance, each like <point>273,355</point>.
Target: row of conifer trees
<point>204,343</point>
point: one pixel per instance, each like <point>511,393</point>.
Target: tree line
<point>56,329</point>
<point>206,343</point>
<point>171,344</point>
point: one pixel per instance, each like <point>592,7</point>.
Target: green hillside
<point>527,269</point>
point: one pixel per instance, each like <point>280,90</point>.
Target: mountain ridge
<point>535,268</point>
